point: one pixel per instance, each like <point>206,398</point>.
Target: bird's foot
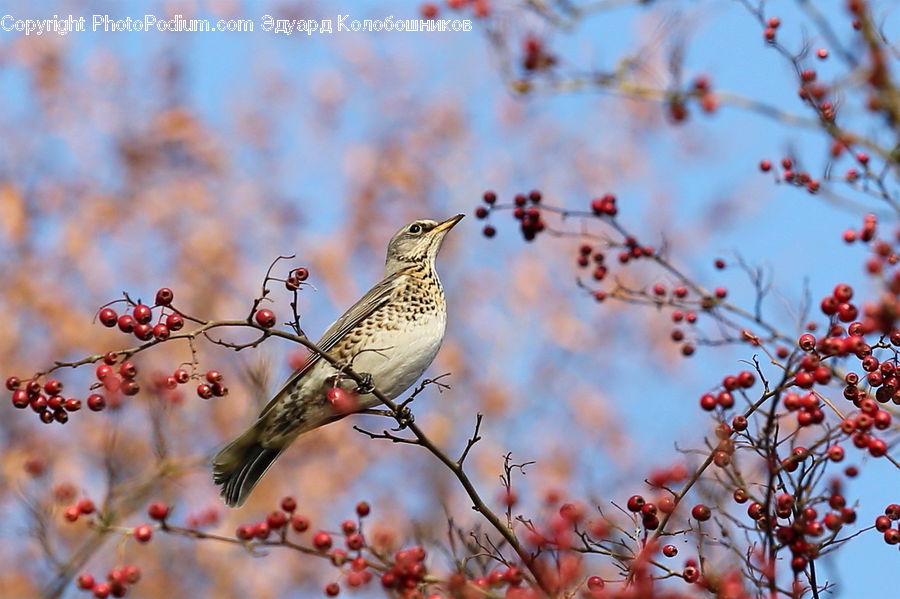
<point>404,418</point>
<point>366,385</point>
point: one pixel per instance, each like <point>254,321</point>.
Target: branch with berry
<point>778,452</point>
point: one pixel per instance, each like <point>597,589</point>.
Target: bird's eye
<point>415,228</point>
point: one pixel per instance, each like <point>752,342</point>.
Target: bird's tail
<point>240,465</point>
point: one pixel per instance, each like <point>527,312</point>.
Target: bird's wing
<point>377,297</point>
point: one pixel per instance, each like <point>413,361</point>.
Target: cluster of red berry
<point>807,407</point>
<point>884,524</point>
<point>118,581</point>
<point>356,569</point>
<point>525,209</point>
<point>724,398</point>
<point>804,523</point>
<point>138,322</point>
<point>789,175</point>
<point>648,511</point>
<point>296,278</point>
<point>701,90</point>
<point>213,385</point>
<point>44,399</point>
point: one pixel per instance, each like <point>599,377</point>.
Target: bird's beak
<point>448,224</point>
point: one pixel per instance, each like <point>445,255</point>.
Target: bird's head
<point>419,241</point>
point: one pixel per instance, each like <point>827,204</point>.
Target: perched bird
<point>392,334</point>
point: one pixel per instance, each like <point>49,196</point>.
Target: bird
<point>390,337</point>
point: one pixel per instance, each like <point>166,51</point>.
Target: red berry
<point>244,532</point>
<point>362,509</point>
<point>20,399</point>
<point>128,370</point>
<point>175,322</point>
<point>489,231</point>
<point>765,165</point>
<point>38,403</point>
<point>701,513</point>
<point>204,391</point>
<point>85,582</point>
<point>725,399</point>
<point>691,574</point>
<point>708,402</point>
<point>108,317</point>
<point>806,342</point>
<point>96,402</point>
<point>181,376</point>
<point>276,519</point>
<point>142,314</point>
<point>299,523</point>
<point>101,590</point>
<point>355,541</point>
<point>265,318</point>
<point>481,212</point>
<point>214,376</point>
<point>843,292</point>
<point>143,533</point>
<point>289,504</point>
<point>126,323</point>
<point>158,510</point>
<point>342,401</point>
<point>322,541</point>
<point>333,589</point>
<point>132,574</point>
<point>635,503</point>
<point>164,297</point>
<point>670,550</point>
<point>261,531</point>
<point>144,332</point>
<point>489,197</point>
<point>832,521</point>
<point>161,332</point>
<point>835,453</point>
<point>86,506</point>
<point>847,312</point>
<point>71,513</point>
<point>877,447</point>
